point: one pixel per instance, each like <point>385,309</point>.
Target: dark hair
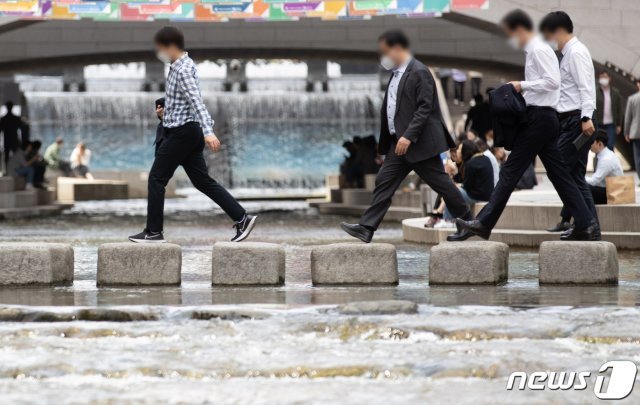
<point>556,20</point>
<point>603,72</point>
<point>394,38</point>
<point>517,18</point>
<point>481,144</point>
<point>478,99</point>
<point>602,137</point>
<point>168,36</point>
<point>469,148</point>
<point>160,102</point>
<point>35,145</point>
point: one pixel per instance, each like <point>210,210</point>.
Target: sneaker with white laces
<point>147,236</point>
<point>244,228</point>
<point>444,224</point>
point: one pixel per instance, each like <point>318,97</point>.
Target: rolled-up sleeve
<point>189,86</point>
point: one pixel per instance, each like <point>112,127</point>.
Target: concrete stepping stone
<point>469,263</point>
<point>572,262</point>
<point>354,263</point>
<point>141,264</point>
<point>36,264</point>
<point>247,263</point>
<point>6,184</point>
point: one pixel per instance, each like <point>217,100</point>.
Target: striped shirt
<point>183,100</point>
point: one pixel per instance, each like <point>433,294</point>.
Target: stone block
<point>563,262</point>
<point>469,263</point>
<point>36,263</point>
<point>6,184</point>
<point>19,183</point>
<point>370,181</point>
<point>248,263</point>
<point>356,196</point>
<point>354,263</point>
<point>8,200</point>
<point>27,198</point>
<point>139,264</point>
<point>73,189</point>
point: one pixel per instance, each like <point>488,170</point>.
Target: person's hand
<point>587,128</point>
<point>517,86</point>
<point>627,138</point>
<point>402,146</point>
<point>618,130</point>
<point>212,142</point>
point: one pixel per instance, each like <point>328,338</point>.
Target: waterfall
<point>271,139</point>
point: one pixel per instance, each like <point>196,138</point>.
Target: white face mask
<point>514,43</point>
<point>490,143</point>
<point>387,63</point>
<point>604,82</point>
<point>162,57</point>
<point>554,44</point>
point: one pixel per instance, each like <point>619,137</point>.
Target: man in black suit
<point>413,135</point>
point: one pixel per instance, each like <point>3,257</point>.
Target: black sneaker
<point>244,228</point>
<point>147,237</point>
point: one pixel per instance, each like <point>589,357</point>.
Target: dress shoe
<point>560,227</point>
<point>590,233</point>
<point>468,229</point>
<point>358,231</point>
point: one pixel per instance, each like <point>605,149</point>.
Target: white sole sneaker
<point>247,231</point>
<point>147,241</point>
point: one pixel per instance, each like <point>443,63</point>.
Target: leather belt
<point>565,115</point>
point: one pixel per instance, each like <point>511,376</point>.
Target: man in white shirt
<point>576,106</point>
<point>538,136</point>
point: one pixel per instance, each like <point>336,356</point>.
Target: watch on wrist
<point>586,119</point>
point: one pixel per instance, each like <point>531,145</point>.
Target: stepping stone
<point>247,263</point>
<point>36,263</point>
<point>469,263</point>
<point>6,184</point>
<point>141,264</point>
<point>354,263</point>
<point>578,263</point>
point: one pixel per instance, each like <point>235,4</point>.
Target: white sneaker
<point>444,224</point>
<point>29,186</point>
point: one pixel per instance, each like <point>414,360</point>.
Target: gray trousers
<point>393,172</point>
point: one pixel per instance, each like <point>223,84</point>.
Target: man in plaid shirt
<point>187,128</point>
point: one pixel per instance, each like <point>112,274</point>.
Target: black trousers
<point>599,194</point>
<point>576,160</point>
<point>538,137</point>
<point>394,170</point>
<point>183,146</point>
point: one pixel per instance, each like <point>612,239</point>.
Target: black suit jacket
<point>508,113</point>
<point>418,116</point>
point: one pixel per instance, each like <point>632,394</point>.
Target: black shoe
<point>244,228</point>
<point>591,233</point>
<point>468,229</point>
<point>358,231</point>
<point>560,227</point>
<point>147,237</point>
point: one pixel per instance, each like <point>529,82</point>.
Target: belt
<point>540,108</point>
<point>565,115</point>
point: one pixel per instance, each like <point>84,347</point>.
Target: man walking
<point>10,125</point>
<point>187,128</point>
<point>576,106</point>
<point>609,108</point>
<point>537,136</point>
<point>632,125</point>
<point>412,135</point>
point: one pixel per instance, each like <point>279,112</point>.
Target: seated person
<point>32,154</point>
<point>20,166</point>
<point>476,173</point>
<point>53,160</point>
<point>607,165</point>
<point>80,159</point>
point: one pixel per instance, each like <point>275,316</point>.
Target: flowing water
<point>271,138</point>
<point>295,344</point>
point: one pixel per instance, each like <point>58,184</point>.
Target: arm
<point>582,68</point>
<point>628,117</point>
<point>600,174</point>
<point>189,86</point>
<point>548,63</point>
<point>424,105</point>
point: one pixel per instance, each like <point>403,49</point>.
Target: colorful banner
<point>225,10</point>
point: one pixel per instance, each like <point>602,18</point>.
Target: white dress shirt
<point>578,88</point>
<point>494,165</point>
<point>607,115</point>
<point>608,166</point>
<point>541,86</point>
<point>392,95</point>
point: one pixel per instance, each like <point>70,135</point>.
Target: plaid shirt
<point>183,101</point>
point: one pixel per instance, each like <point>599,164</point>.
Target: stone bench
<point>354,263</point>
<point>469,263</point>
<point>567,262</point>
<point>248,264</point>
<point>142,264</point>
<point>6,184</point>
<point>36,264</point>
<point>72,189</point>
